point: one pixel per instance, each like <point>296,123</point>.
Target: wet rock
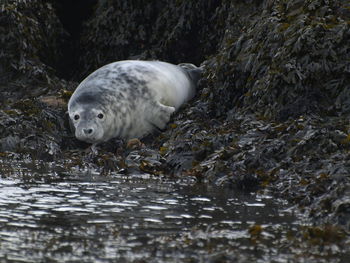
<point>9,144</point>
<point>271,111</point>
<point>154,30</point>
<point>338,137</point>
<point>341,208</point>
<point>30,127</point>
<point>31,47</point>
<point>284,62</point>
<point>145,161</point>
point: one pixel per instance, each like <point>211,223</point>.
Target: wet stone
<point>9,144</point>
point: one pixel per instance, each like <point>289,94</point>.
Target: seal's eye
<point>100,116</point>
<point>76,117</point>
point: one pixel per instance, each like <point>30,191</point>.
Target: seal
<point>130,99</point>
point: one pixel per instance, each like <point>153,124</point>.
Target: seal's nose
<point>88,131</point>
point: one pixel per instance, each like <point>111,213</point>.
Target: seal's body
<point>128,99</point>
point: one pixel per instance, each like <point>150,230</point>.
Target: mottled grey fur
<point>132,97</point>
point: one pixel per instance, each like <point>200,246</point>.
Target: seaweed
<point>271,112</point>
<point>294,59</point>
<point>169,31</point>
<point>30,37</point>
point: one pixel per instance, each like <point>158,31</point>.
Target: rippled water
<point>90,218</point>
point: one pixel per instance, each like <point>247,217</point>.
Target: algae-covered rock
<point>30,39</point>
<point>291,58</point>
<point>32,128</point>
<point>271,112</point>
<point>175,31</point>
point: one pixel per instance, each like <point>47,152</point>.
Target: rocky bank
<point>271,113</point>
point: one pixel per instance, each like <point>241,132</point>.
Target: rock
<point>9,144</point>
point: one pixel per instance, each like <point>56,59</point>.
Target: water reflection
<point>136,219</point>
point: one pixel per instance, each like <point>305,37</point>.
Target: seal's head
<point>89,118</point>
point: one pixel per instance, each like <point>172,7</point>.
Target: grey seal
<point>129,99</point>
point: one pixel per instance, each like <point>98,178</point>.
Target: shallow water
<point>116,218</point>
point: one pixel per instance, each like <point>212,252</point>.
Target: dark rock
<point>271,111</point>
<point>9,144</point>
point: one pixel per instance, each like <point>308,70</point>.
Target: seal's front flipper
<point>160,115</point>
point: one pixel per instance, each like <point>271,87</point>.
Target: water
<point>116,218</point>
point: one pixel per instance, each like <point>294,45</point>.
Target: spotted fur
<point>129,99</point>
